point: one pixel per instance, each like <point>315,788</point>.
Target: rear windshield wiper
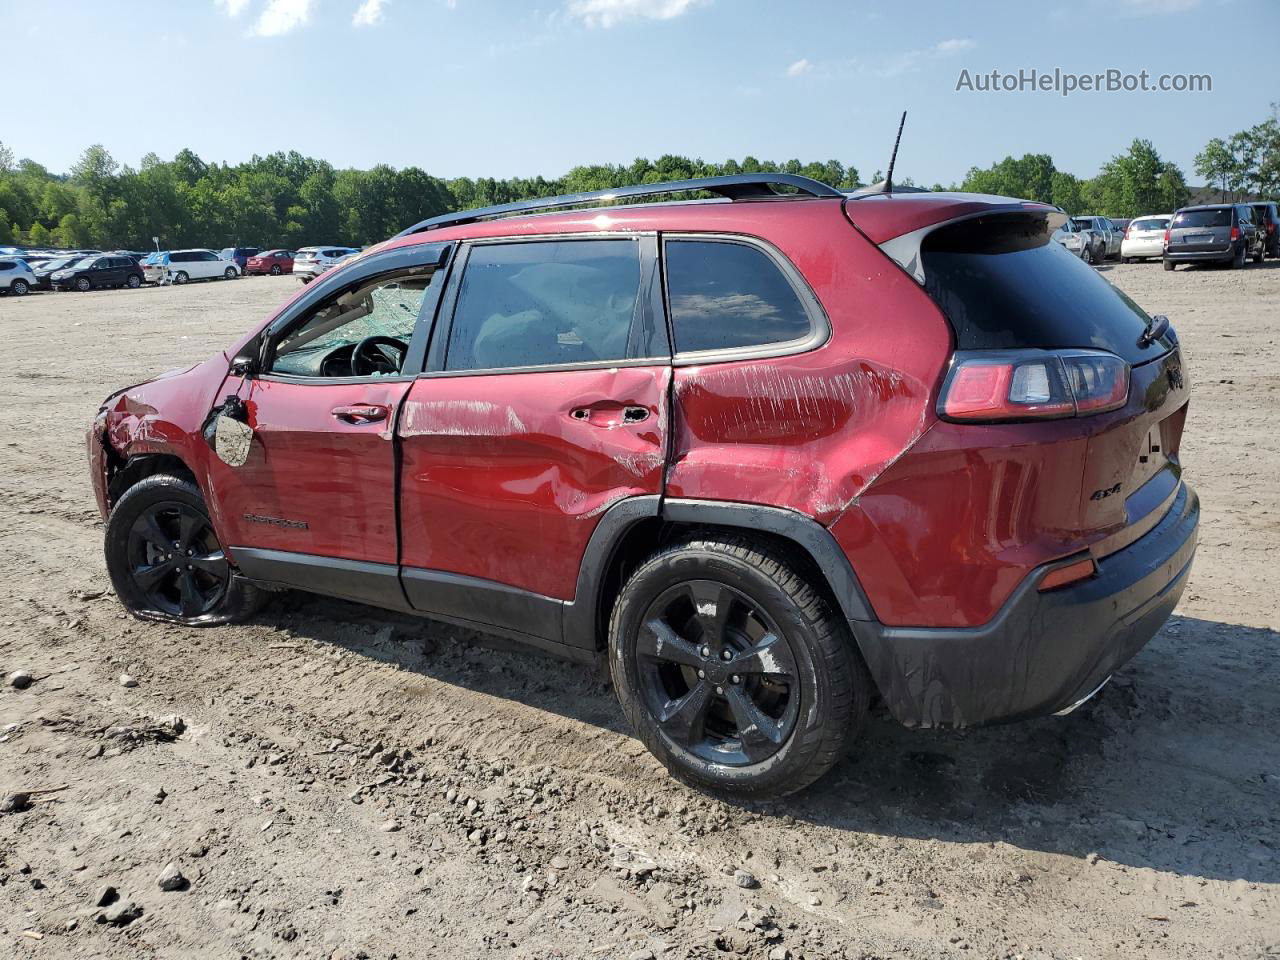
<point>1157,327</point>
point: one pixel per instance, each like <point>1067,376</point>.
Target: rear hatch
<point>1009,292</point>
<point>1200,231</point>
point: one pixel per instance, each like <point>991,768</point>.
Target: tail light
<point>994,386</point>
<point>1126,231</point>
<point>1271,228</point>
<point>1235,233</point>
<point>1167,234</point>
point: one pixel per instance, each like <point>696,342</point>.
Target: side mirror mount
<point>245,365</point>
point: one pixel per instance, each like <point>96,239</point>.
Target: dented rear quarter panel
<point>810,432</point>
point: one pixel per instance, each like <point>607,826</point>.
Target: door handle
<point>358,413</point>
<point>609,416</point>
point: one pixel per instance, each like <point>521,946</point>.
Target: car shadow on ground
<point>1173,766</point>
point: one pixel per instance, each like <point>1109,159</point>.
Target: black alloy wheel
<point>175,560</point>
<point>716,674</point>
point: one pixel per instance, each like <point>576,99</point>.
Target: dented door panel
<point>504,476</point>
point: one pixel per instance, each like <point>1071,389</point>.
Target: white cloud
<point>800,66</point>
<point>281,16</point>
<point>369,14</point>
<point>1160,6</point>
<point>233,7</point>
<point>957,45</point>
<point>608,13</point>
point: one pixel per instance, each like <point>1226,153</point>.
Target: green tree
<point>69,232</point>
<point>6,233</point>
<point>1216,164</point>
<point>38,236</point>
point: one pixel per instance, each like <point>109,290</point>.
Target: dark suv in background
<point>1213,233</point>
<point>1267,216</point>
<point>238,255</point>
<point>96,272</point>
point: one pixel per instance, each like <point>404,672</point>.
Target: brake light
<point>1126,231</point>
<point>1271,228</point>
<point>1032,384</point>
<point>1167,233</point>
<point>1235,233</point>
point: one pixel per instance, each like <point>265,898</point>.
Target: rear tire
<point>133,283</point>
<point>181,277</point>
<point>733,669</point>
<point>165,561</point>
<point>1237,261</point>
<point>275,270</point>
<point>1089,257</point>
<point>229,274</point>
<point>1257,257</point>
<point>1169,265</point>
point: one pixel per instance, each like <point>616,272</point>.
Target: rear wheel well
<point>642,539</point>
<point>124,474</point>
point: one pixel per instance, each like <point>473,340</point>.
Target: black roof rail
<point>740,186</point>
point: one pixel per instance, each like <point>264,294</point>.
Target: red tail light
<point>995,386</point>
<point>1271,228</point>
<point>1167,233</point>
<point>1235,233</point>
<point>1126,231</point>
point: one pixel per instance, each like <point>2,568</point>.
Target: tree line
<point>288,200</point>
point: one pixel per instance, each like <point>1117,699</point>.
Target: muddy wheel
<point>734,670</point>
<point>165,561</point>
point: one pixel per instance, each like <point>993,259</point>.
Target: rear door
<point>544,403</point>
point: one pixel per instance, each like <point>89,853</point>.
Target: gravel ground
<point>334,781</point>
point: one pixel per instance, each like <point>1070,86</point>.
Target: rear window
<point>1004,286</point>
<point>1155,223</point>
<point>1202,218</point>
<point>725,295</point>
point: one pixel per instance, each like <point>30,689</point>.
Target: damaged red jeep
<point>779,455</point>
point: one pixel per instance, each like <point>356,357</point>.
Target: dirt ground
<point>348,783</point>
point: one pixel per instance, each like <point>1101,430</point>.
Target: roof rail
<point>741,186</point>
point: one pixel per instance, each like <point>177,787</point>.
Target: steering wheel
<point>366,361</point>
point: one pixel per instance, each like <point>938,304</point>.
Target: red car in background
<point>772,457</point>
<point>274,262</point>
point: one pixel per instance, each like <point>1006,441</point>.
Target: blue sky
<point>502,88</point>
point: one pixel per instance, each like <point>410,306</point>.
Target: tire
<point>19,288</point>
<point>181,277</point>
<point>134,282</point>
<point>1089,258</point>
<point>1237,261</point>
<point>230,273</point>
<point>780,634</point>
<point>83,285</point>
<point>275,270</point>
<point>1169,265</point>
<point>1126,259</point>
<point>1257,257</point>
<point>139,533</point>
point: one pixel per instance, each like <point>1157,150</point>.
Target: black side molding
<point>377,584</point>
<point>802,530</point>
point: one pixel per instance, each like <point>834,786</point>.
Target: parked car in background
<point>49,268</point>
<point>155,266</point>
<point>199,264</point>
<point>238,255</point>
<point>94,273</point>
<point>274,262</point>
<point>1071,237</point>
<point>1144,237</point>
<point>137,256</point>
<point>1104,242</point>
<point>946,513</point>
<point>1266,215</point>
<point>1119,224</point>
<point>1213,233</point>
<point>16,277</point>
<point>310,262</point>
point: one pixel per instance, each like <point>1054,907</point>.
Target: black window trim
<point>819,325</point>
<point>650,296</point>
<point>333,282</point>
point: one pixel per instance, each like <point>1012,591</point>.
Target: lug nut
<point>735,679</point>
<point>702,674</point>
<point>189,567</point>
<point>191,553</point>
<point>705,651</point>
<point>719,689</point>
<point>726,655</point>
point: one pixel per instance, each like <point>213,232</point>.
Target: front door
<point>544,403</point>
<point>315,504</point>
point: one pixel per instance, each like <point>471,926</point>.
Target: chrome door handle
<point>358,413</point>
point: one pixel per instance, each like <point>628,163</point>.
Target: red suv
<point>775,455</point>
<point>274,262</point>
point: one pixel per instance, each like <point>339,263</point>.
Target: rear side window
<point>1004,286</point>
<point>6,265</point>
<point>1202,218</point>
<point>725,295</point>
<point>546,302</point>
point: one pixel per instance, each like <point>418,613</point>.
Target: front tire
<point>275,270</point>
<point>165,561</point>
<point>19,288</point>
<point>1257,257</point>
<point>83,285</point>
<point>134,282</point>
<point>229,273</point>
<point>733,669</point>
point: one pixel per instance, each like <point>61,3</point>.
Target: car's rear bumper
<point>1142,248</point>
<point>1216,255</point>
<point>1043,652</point>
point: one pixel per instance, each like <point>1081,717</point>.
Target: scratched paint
<point>459,418</point>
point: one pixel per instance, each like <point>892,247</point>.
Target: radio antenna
<point>888,180</point>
